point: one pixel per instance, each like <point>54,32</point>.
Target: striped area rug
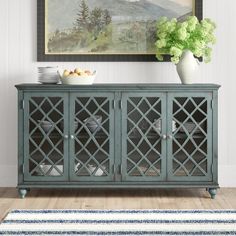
<point>119,222</point>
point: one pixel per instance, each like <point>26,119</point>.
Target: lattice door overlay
<point>46,146</point>
<point>189,146</point>
<point>143,155</point>
<point>92,136</point>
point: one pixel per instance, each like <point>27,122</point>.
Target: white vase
<point>187,67</point>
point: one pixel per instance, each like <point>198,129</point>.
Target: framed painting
<point>104,30</point>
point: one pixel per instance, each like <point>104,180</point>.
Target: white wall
<point>18,64</point>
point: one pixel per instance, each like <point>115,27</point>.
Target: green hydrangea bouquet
<point>176,37</point>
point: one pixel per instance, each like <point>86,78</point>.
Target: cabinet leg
<point>212,192</point>
<point>22,192</point>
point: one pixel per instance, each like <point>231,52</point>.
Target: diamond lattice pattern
<point>190,137</point>
<point>92,136</point>
<point>45,136</point>
<point>143,139</point>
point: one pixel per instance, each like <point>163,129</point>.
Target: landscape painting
<point>107,27</point>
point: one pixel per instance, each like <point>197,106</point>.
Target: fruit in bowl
<point>77,76</point>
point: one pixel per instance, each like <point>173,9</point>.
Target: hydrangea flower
<point>175,37</point>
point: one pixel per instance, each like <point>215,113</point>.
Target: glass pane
<point>189,145</point>
<point>143,136</point>
<point>92,131</point>
<point>45,136</point>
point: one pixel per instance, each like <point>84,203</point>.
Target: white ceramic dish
<point>47,69</point>
<point>99,171</point>
<point>54,172</point>
<point>48,75</point>
<point>49,79</point>
<point>47,82</point>
<point>190,127</point>
<point>77,80</point>
<point>46,169</point>
<point>45,125</point>
<point>93,123</point>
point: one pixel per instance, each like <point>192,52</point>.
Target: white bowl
<point>45,168</point>
<point>45,125</point>
<point>99,171</point>
<point>190,126</point>
<point>77,80</point>
<point>93,123</point>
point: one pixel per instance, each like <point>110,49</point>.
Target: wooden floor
<point>116,199</point>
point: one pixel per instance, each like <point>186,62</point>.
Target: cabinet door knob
<point>72,136</point>
<point>164,136</point>
<point>66,136</point>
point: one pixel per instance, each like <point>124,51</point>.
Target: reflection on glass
<point>189,145</point>
<point>92,145</point>
<point>143,141</point>
<point>45,136</point>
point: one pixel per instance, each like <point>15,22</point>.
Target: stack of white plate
<point>48,75</point>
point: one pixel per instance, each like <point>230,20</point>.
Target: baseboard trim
<point>227,176</point>
<point>8,175</point>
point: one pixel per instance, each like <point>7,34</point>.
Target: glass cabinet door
<point>45,136</point>
<point>189,137</point>
<point>92,132</point>
<point>143,146</point>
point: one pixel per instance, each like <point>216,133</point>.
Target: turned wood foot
<point>22,192</point>
<point>212,192</point>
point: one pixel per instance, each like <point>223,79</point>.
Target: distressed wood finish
<point>129,150</point>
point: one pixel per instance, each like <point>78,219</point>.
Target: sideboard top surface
<point>115,87</point>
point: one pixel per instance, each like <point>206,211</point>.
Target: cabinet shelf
<point>178,136</point>
<point>86,136</point>
<point>80,136</point>
<point>51,136</point>
<point>184,136</point>
<point>149,136</point>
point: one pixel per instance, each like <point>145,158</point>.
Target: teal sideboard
<point>117,136</point>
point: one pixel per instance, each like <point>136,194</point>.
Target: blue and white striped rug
<point>119,222</point>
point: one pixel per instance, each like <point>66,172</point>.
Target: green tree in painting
<point>92,30</point>
<point>106,17</point>
<point>151,36</point>
<point>96,22</point>
<point>82,21</point>
<point>133,36</point>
